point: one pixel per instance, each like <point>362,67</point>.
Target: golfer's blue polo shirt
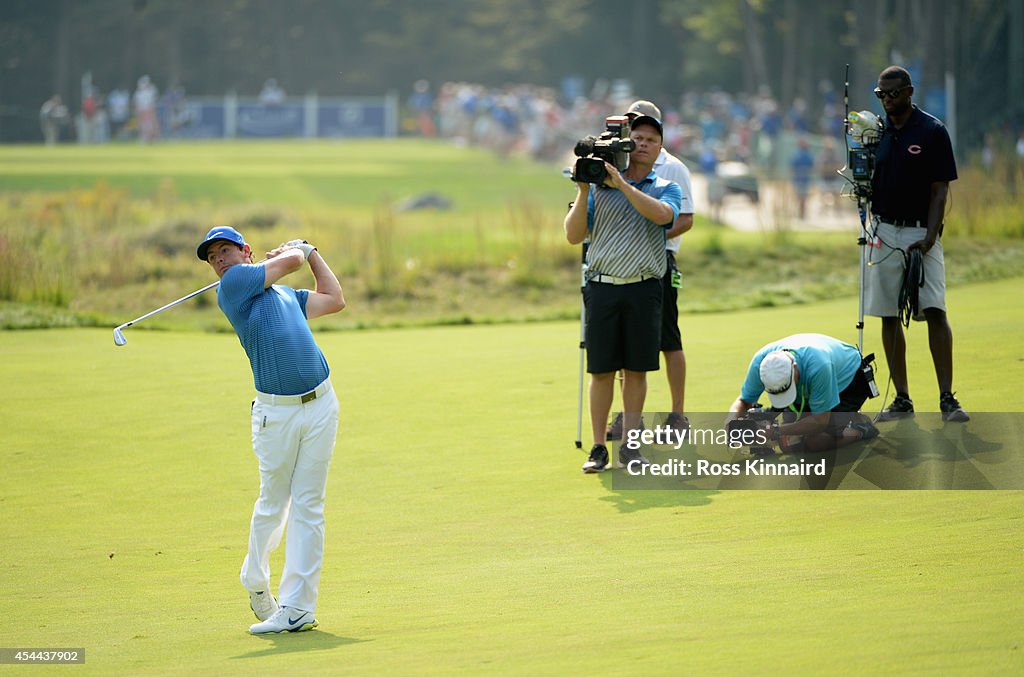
<point>271,326</point>
<point>827,366</point>
<point>907,162</point>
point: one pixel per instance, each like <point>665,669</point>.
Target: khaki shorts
<point>883,277</point>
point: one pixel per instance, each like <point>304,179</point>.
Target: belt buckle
<point>308,397</point>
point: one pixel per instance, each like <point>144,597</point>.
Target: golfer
<point>294,416</point>
<point>820,379</point>
<point>626,219</point>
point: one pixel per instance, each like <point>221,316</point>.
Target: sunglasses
<point>890,93</point>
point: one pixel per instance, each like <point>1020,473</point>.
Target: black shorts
<point>671,340</point>
<point>623,326</point>
<point>851,399</point>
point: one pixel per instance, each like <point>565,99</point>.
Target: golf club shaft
<point>170,305</point>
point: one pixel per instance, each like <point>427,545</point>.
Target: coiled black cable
<point>913,280</point>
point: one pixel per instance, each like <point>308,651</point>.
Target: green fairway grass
<point>461,535</point>
<point>354,174</point>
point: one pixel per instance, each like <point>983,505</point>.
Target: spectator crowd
<point>142,114</point>
<point>540,122</point>
<point>716,132</point>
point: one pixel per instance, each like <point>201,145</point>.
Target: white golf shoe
<point>263,604</point>
<point>287,619</point>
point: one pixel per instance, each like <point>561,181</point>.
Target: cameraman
<point>626,218</point>
<point>820,379</point>
<point>668,166</point>
<point>913,169</point>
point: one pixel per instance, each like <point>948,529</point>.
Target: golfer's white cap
<point>777,370</point>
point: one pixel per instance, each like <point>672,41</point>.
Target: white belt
<point>319,391</point>
<point>611,279</point>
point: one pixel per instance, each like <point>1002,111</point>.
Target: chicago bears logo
<point>914,150</point>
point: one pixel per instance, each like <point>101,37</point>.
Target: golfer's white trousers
<point>293,444</point>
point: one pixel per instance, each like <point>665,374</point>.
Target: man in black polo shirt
<point>626,219</point>
<point>913,168</point>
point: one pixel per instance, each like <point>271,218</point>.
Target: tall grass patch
<point>989,201</point>
<point>101,243</point>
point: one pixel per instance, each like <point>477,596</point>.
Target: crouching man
<point>821,380</point>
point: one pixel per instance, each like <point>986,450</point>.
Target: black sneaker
<point>614,431</point>
<point>951,409</point>
<point>901,407</point>
<point>866,429</point>
<point>677,421</point>
<point>627,455</point>
<point>598,459</point>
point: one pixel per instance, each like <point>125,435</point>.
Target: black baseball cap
<point>648,120</point>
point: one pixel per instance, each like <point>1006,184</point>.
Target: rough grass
<point>108,232</point>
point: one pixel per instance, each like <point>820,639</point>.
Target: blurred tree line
<point>665,47</point>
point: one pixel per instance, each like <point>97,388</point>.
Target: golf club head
<point>119,339</point>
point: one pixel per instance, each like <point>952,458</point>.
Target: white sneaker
<point>263,604</point>
<point>287,619</point>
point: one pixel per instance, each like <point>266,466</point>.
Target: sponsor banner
<point>227,117</point>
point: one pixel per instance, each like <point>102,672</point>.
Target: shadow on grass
<point>920,453</point>
<point>631,499</point>
<point>928,453</point>
<point>295,642</point>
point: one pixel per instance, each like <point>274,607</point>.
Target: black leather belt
<point>904,223</point>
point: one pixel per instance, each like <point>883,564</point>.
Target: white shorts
<point>883,275</point>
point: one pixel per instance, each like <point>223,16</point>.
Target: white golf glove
<point>306,247</point>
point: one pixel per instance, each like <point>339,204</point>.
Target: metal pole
<point>583,344</point>
<point>862,208</point>
<point>864,241</point>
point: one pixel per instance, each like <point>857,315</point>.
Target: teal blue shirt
<point>827,366</point>
<point>271,326</point>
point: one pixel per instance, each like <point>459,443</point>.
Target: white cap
<point>777,371</point>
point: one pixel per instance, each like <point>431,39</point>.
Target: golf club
<point>119,338</point>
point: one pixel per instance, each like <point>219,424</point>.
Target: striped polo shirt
<point>624,243</point>
<point>271,326</point>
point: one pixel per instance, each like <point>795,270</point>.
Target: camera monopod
<point>583,342</point>
<point>860,162</point>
